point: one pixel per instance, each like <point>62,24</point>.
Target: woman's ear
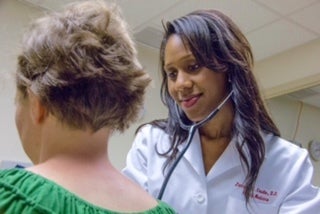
<point>38,112</point>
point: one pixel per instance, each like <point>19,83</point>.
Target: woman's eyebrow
<point>185,58</point>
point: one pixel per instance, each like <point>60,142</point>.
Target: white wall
<point>13,19</point>
<point>303,129</point>
<point>292,70</point>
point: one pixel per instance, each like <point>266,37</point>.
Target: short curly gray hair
<point>82,64</point>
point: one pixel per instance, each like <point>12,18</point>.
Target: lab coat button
<point>200,198</point>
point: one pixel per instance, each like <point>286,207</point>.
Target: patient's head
<point>82,65</point>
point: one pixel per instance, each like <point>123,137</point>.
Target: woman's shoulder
<point>22,191</point>
<point>162,208</point>
<point>284,157</point>
<point>149,136</point>
<point>16,185</point>
<point>151,132</point>
<point>276,146</point>
<point>156,126</point>
<point>150,129</point>
<point>19,178</point>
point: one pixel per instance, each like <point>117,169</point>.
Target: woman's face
<point>25,126</point>
<point>196,89</point>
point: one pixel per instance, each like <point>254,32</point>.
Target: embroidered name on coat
<point>260,194</point>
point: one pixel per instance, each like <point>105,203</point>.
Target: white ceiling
<point>271,26</point>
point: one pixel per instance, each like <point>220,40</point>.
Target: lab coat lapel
<point>228,160</point>
<point>194,155</point>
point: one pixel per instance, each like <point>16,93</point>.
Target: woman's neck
<point>220,126</point>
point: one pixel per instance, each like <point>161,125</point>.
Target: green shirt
<point>24,192</point>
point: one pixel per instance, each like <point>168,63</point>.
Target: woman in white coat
<point>236,162</point>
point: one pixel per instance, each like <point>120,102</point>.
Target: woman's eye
<point>193,67</point>
<point>172,74</point>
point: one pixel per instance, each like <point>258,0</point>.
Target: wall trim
<point>292,86</point>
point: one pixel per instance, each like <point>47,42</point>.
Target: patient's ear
<point>38,112</point>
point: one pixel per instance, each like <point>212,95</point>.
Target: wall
<point>297,122</point>
<point>290,71</point>
<point>296,69</point>
<point>13,17</point>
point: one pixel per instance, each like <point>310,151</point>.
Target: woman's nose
<point>183,81</point>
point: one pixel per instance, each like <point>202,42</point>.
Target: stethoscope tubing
<point>191,131</point>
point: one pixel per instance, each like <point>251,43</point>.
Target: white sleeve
<point>137,161</point>
<point>304,197</point>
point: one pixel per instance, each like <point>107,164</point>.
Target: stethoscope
<point>191,130</point>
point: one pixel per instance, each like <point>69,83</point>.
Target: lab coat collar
<point>228,160</point>
<point>194,154</point>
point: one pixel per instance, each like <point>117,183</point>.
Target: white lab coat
<point>283,184</point>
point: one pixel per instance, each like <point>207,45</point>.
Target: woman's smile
<point>190,101</point>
